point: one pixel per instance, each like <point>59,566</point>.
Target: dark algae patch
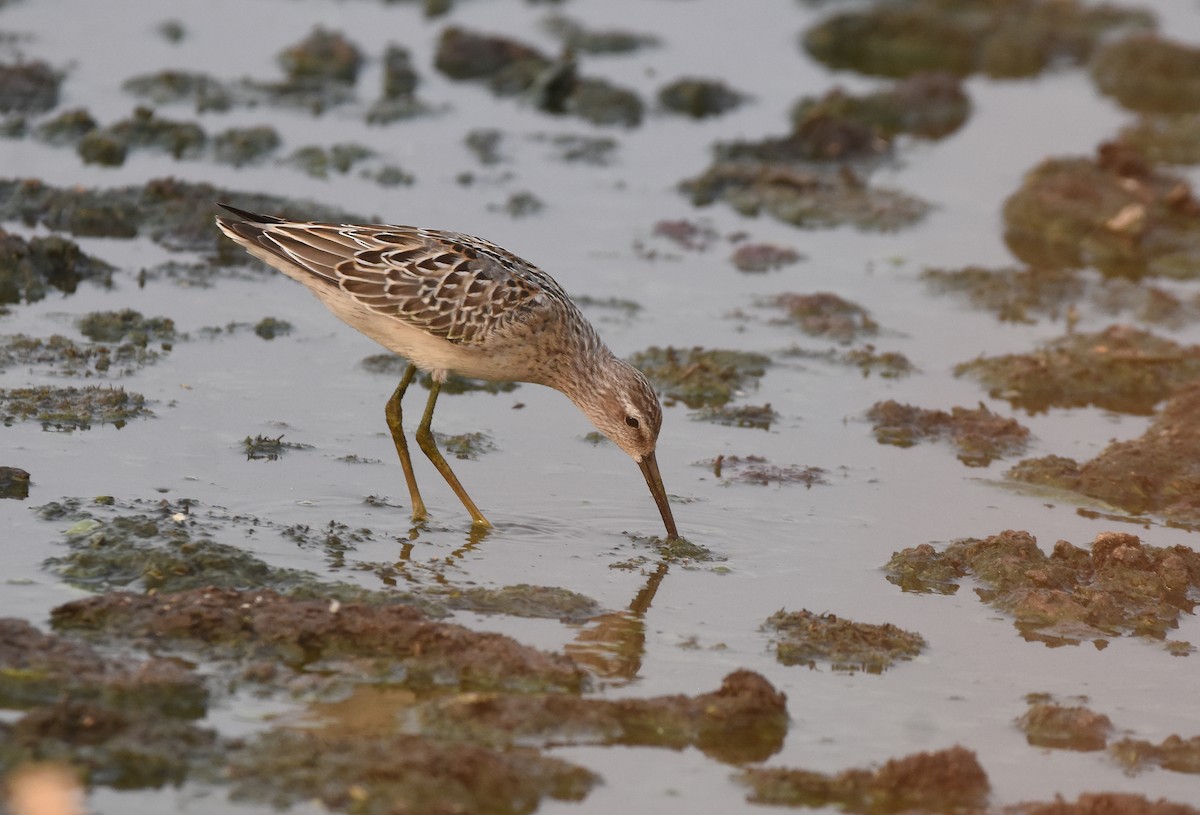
<point>1012,294</point>
<point>71,408</point>
<point>945,782</point>
<point>1001,40</point>
<point>1122,587</point>
<point>1116,213</point>
<point>1121,368</point>
<point>980,435</point>
<point>700,377</point>
<point>756,416</point>
<point>1062,727</point>
<point>126,325</point>
<point>805,638</point>
<point>143,130</point>
<point>1155,473</point>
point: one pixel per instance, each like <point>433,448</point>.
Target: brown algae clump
<point>1154,473</point>
<point>745,720</point>
<point>1121,368</point>
<point>946,781</point>
<point>697,376</point>
<point>1121,588</point>
<point>980,435</point>
<point>71,408</point>
<point>127,324</point>
<point>1150,74</point>
<point>1002,40</point>
<point>323,56</point>
<point>1049,724</point>
<point>265,448</point>
<point>1116,213</point>
<point>825,314</point>
<point>805,638</point>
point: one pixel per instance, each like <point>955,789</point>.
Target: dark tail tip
<point>251,216</point>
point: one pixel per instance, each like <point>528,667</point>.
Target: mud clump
<point>1115,213</point>
<point>111,747</point>
<point>825,314</point>
<point>1103,803</point>
<point>175,214</point>
<point>262,623</point>
<point>266,448</point>
<point>241,146</point>
<point>29,269</point>
<point>763,257</point>
<point>67,127</point>
<point>1049,724</point>
<point>14,483</point>
<point>1121,368</point>
<point>1166,139</point>
<point>1121,588</point>
<point>370,773</point>
<point>511,68</point>
<point>28,87</point>
<point>1013,294</point>
<point>700,377</point>
<point>756,416</point>
<point>579,39</point>
<point>980,435</point>
<point>805,638</point>
<point>759,471</point>
<point>1001,40</point>
<point>699,98</point>
<point>71,408</point>
<point>1154,473</point>
<point>1173,753</point>
<point>944,781</point>
<point>1150,74</point>
<point>929,105</point>
<point>810,197</point>
<point>745,720</point>
<point>38,668</point>
<point>143,130</point>
<point>322,56</point>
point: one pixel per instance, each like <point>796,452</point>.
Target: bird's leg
<point>429,445</point>
<point>392,411</point>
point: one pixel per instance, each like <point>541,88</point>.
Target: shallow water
<point>566,510</point>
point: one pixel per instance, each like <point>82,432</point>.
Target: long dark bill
<point>649,467</point>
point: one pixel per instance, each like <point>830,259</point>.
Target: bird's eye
<point>631,421</point>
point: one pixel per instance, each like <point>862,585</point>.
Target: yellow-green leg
<point>392,411</point>
<point>429,445</point>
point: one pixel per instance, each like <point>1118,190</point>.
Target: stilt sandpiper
<point>452,303</point>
